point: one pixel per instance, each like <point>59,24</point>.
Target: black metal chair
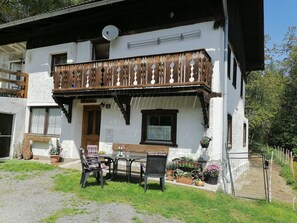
<point>154,168</point>
<point>90,164</point>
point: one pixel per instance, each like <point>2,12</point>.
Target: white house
<point>141,72</point>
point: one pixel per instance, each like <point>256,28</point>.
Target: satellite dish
<point>110,32</point>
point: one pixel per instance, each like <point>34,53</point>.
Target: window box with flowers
<point>55,150</point>
<point>211,174</point>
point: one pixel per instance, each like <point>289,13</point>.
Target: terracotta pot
<point>55,158</point>
<point>199,183</point>
<point>170,175</point>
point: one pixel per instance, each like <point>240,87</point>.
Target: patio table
<point>114,158</point>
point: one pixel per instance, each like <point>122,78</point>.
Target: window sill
<point>159,143</point>
<point>39,138</point>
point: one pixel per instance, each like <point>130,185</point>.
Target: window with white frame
<point>45,120</point>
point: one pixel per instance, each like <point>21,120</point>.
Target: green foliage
<point>287,174</point>
<point>271,97</point>
<point>284,129</point>
<point>24,166</point>
<point>62,213</point>
<point>18,9</point>
<point>263,101</point>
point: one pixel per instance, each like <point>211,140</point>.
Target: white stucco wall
<point>114,129</point>
<point>189,131</point>
<point>17,108</point>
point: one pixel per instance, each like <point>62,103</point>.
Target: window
<point>229,131</point>
<point>159,127</point>
<point>229,62</point>
<point>234,73</point>
<point>244,134</point>
<point>100,50</point>
<point>58,59</point>
<point>241,86</point>
<point>45,121</point>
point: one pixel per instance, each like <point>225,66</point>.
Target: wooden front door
<point>91,126</point>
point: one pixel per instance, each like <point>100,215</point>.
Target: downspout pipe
<point>225,178</point>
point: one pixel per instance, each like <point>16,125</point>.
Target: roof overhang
<point>85,21</point>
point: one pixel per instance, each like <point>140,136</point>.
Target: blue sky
<point>278,16</point>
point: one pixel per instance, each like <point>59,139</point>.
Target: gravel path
<point>32,200</point>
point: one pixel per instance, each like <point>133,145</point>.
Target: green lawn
<point>184,203</point>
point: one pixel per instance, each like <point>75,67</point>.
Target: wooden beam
<point>204,101</point>
<point>61,103</point>
<point>123,102</point>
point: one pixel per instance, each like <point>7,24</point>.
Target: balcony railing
<point>13,84</point>
<point>170,70</point>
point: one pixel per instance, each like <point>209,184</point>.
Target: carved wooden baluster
<point>73,78</point>
<point>88,77</point>
<point>60,79</point>
<point>179,69</point>
<point>118,73</point>
<point>135,74</point>
<point>142,71</point>
<point>153,73</point>
<point>108,74</point>
<point>203,78</point>
<point>78,77</point>
<point>161,70</point>
<point>93,75</point>
<point>102,75</point>
<point>192,71</point>
<point>171,71</point>
<point>65,79</point>
<point>125,72</point>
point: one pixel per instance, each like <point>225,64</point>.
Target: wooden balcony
<point>186,73</point>
<point>13,84</point>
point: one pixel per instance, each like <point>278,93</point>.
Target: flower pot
<point>184,180</point>
<point>55,158</point>
<point>170,175</point>
<point>205,145</point>
<point>211,180</point>
<point>199,183</point>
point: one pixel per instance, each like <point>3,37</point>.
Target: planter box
<point>184,180</point>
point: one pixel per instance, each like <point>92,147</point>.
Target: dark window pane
<point>98,122</point>
<point>90,122</point>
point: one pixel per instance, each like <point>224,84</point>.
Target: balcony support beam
<point>62,104</point>
<point>123,102</point>
<point>204,101</point>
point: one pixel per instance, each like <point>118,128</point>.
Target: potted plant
<point>204,142</point>
<point>198,182</point>
<point>170,168</point>
<point>55,151</point>
<point>184,177</point>
<point>211,173</point>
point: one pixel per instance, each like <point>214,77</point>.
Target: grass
<point>186,204</point>
<point>178,202</point>
<point>61,213</point>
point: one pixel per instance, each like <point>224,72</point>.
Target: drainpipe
<point>225,177</point>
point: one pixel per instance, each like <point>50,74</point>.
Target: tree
<point>284,129</point>
<point>264,92</point>
<point>17,9</point>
